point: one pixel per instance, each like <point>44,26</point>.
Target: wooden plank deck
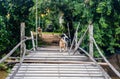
<point>49,63</point>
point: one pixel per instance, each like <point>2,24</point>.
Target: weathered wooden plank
<point>49,69</point>
<point>60,72</point>
<point>89,64</point>
<point>44,53</point>
<point>53,62</point>
<point>56,65</point>
<point>57,75</point>
<point>59,67</point>
<point>56,59</point>
<point>58,78</point>
<point>40,64</point>
<point>56,56</point>
<point>72,66</point>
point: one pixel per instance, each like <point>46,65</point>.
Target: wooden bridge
<point>49,63</point>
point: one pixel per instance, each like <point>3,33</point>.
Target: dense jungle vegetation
<point>104,14</point>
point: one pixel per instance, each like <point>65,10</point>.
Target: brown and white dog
<point>63,43</point>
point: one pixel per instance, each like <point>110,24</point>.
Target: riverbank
<point>3,74</point>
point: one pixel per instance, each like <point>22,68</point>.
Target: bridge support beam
<point>90,39</point>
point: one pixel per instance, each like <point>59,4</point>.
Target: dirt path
<point>51,38</point>
<point>3,74</point>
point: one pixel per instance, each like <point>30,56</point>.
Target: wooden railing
<point>104,73</point>
<point>21,60</point>
<point>21,56</point>
<point>109,64</point>
<point>13,50</point>
<point>88,54</point>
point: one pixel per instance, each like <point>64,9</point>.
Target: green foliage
<point>3,66</point>
<point>12,13</point>
<point>4,42</point>
<point>104,14</point>
<point>101,7</point>
<point>103,23</point>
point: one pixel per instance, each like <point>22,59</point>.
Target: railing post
<point>22,29</point>
<point>36,23</point>
<point>69,32</point>
<point>33,43</point>
<point>90,39</point>
<point>76,37</point>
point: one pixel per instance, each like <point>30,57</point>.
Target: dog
<point>39,32</point>
<point>63,43</point>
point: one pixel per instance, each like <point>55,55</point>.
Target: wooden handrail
<point>116,72</point>
<point>21,61</point>
<point>13,50</point>
<point>104,73</point>
<point>80,40</point>
<point>74,38</point>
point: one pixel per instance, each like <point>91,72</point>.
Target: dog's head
<point>65,37</point>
